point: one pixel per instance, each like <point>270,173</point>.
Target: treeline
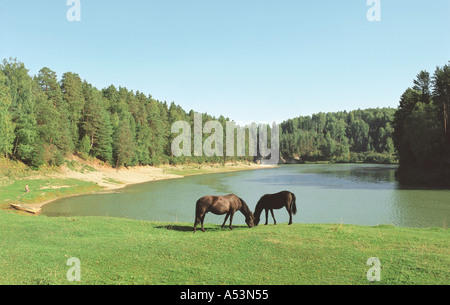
<point>422,130</point>
<point>43,119</point>
<point>356,136</point>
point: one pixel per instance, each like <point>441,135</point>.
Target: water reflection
<point>345,176</point>
<point>215,182</point>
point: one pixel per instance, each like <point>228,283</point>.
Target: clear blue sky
<point>252,61</point>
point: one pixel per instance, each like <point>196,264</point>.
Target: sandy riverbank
<point>112,179</point>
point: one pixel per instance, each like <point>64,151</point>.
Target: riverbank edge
<point>112,180</point>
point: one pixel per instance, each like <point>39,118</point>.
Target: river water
<point>358,194</point>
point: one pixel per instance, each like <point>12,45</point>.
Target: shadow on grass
<point>209,228</point>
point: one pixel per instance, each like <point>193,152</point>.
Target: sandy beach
<point>112,179</point>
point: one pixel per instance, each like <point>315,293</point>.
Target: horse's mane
<point>245,207</point>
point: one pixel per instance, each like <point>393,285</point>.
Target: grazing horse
<point>221,205</point>
<point>275,201</point>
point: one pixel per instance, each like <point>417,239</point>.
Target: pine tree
<point>158,132</point>
<point>72,90</point>
<point>96,124</point>
<point>123,143</point>
<point>142,131</point>
<point>56,119</point>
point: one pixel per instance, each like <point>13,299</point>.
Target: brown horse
<point>277,201</point>
<point>221,205</point>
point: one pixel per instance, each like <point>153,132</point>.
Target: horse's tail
<point>294,206</point>
<point>197,205</point>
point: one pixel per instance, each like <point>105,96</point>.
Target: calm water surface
<point>347,193</point>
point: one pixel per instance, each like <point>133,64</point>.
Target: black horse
<point>221,205</point>
<point>275,201</point>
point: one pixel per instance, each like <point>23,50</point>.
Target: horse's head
<point>258,210</point>
<point>256,220</point>
<point>250,220</point>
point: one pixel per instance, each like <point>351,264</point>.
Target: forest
<point>43,119</point>
<point>421,130</point>
<point>355,136</point>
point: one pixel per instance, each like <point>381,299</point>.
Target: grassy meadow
<point>35,250</point>
<point>43,190</point>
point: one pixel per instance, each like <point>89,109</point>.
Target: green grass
<point>42,190</point>
<point>34,250</point>
<point>15,175</point>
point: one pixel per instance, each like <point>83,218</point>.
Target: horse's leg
<point>288,208</point>
<point>231,219</point>
<point>226,218</point>
<point>197,221</point>
<point>273,216</point>
<point>203,220</point>
<point>267,217</point>
<point>195,224</point>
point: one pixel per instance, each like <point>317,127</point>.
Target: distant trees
<point>356,136</point>
<point>422,135</point>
